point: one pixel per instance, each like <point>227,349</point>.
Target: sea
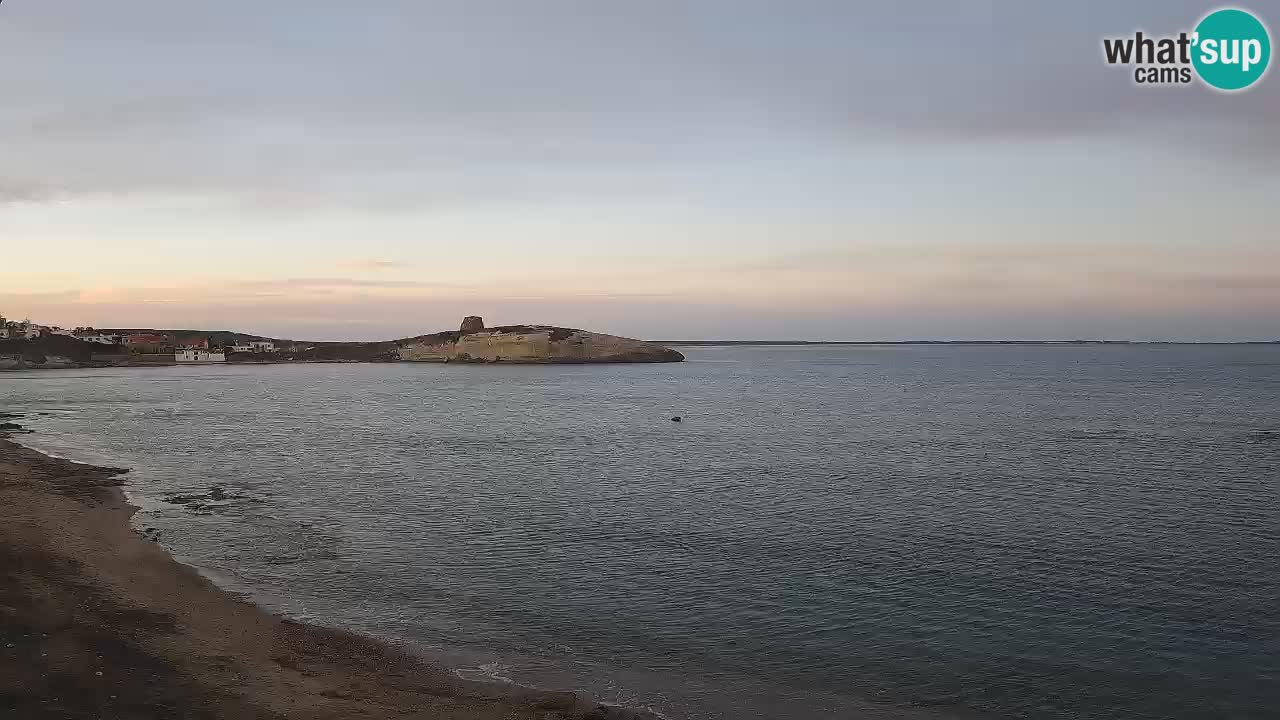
<point>898,531</point>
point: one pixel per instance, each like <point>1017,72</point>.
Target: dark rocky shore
<point>97,621</point>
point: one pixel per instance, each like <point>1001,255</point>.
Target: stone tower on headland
<point>471,324</point>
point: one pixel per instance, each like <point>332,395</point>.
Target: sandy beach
<point>98,621</point>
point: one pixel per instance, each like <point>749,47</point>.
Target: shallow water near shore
<point>906,531</point>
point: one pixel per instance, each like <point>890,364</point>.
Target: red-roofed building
<point>148,343</point>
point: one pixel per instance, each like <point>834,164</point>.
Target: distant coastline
<point>522,344</point>
<point>715,343</point>
<point>29,346</point>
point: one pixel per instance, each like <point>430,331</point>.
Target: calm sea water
<point>1007,532</point>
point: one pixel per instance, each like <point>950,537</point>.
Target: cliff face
<point>530,344</point>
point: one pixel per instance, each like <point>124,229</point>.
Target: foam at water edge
<point>488,671</point>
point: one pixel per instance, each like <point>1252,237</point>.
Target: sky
<point>732,169</point>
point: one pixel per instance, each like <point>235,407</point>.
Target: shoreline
<point>98,620</point>
<point>65,364</point>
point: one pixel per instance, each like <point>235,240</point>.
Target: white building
<point>192,355</point>
<point>101,339</point>
<point>255,346</point>
<point>25,330</point>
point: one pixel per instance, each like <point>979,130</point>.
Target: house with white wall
<point>194,355</point>
<point>100,339</point>
<point>255,346</point>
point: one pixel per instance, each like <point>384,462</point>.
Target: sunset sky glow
<point>783,170</point>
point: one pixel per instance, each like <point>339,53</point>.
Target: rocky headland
<point>473,342</point>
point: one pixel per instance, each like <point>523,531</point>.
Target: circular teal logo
<point>1232,49</point>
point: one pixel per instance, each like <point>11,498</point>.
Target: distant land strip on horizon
<point>230,334</point>
<point>959,342</point>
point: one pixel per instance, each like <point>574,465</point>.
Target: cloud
<point>382,318</point>
<point>342,282</point>
<point>606,111</point>
<point>57,296</point>
<point>24,191</point>
<point>372,265</point>
<point>135,118</point>
<point>423,108</point>
<point>1225,285</point>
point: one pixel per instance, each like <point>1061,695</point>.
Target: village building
<point>255,346</point>
<point>88,334</point>
<point>148,343</point>
<point>99,338</point>
<point>193,355</point>
<point>26,330</point>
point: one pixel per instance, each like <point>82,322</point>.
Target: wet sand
<point>97,621</point>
